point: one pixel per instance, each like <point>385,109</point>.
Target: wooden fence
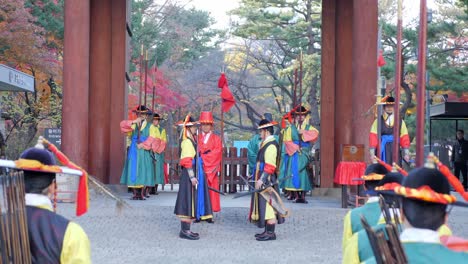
<point>234,166</point>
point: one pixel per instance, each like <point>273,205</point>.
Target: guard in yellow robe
<point>371,210</point>
<point>158,146</point>
<point>52,238</point>
<point>358,247</point>
<point>262,212</point>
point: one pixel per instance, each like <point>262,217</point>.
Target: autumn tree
<point>27,46</point>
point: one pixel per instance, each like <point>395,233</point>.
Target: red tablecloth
<point>347,171</point>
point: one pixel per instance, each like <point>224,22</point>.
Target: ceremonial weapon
<point>260,190</point>
<point>216,191</point>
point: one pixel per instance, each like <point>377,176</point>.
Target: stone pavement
<point>148,232</point>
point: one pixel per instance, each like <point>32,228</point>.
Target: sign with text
<point>54,136</point>
<point>15,81</point>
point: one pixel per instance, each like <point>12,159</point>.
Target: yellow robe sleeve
<point>444,230</point>
<point>163,135</point>
<point>347,231</point>
<point>374,127</point>
<point>154,131</point>
<point>351,251</point>
<point>404,129</point>
<point>187,149</point>
<point>76,248</point>
<point>287,134</point>
<point>270,155</point>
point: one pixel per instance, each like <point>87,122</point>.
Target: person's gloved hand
<point>406,154</point>
<point>372,154</point>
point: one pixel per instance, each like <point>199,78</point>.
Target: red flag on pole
<point>227,98</point>
<point>381,60</point>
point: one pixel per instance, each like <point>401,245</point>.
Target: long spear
<point>146,74</point>
<point>396,112</point>
<point>295,89</point>
<point>300,78</point>
<point>154,82</point>
<point>141,75</point>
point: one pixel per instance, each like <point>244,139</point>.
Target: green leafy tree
<point>447,53</point>
<point>282,31</point>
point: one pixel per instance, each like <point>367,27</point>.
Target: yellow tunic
<point>76,248</point>
<point>270,158</point>
<point>155,133</point>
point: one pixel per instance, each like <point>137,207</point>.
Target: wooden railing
<point>233,164</point>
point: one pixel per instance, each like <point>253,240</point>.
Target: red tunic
<point>211,151</point>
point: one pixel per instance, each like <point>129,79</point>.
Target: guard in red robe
<point>211,151</point>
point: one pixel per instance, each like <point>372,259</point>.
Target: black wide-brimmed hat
<point>390,181</point>
<point>156,116</point>
<point>374,172</point>
<point>38,178</point>
<point>188,122</point>
<point>142,109</point>
<point>264,123</point>
<point>427,185</point>
<point>301,111</point>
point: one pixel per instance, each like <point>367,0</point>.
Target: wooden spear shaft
<point>154,86</point>
<point>141,75</point>
<point>396,111</point>
<point>300,79</point>
<point>24,227</point>
<point>146,75</point>
<point>3,224</point>
<point>295,89</point>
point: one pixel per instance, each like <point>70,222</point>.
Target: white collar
<point>412,234</point>
<point>373,199</point>
<point>38,200</point>
<point>206,136</point>
<point>267,139</point>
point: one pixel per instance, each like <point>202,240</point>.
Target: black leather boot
<point>269,235</point>
<point>185,232</point>
<point>261,234</point>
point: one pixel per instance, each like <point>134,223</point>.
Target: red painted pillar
<point>76,82</point>
<point>344,75</point>
<point>118,91</point>
<point>327,95</point>
<point>364,64</point>
<point>100,86</point>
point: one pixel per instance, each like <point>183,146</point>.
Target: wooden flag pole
<point>223,177</point>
